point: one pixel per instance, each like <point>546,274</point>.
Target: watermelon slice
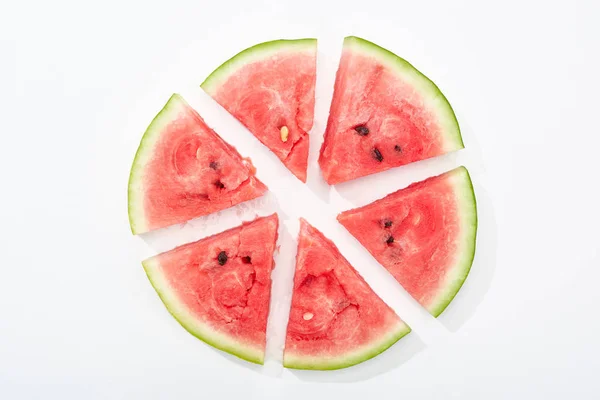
<point>336,320</point>
<point>270,88</point>
<point>218,288</point>
<point>384,114</point>
<point>423,234</point>
<point>183,170</point>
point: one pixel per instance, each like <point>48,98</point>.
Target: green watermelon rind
<point>468,215</point>
<point>432,93</point>
<point>253,54</point>
<point>137,218</point>
<point>192,324</point>
<point>367,352</point>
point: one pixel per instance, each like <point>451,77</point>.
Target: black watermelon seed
<point>222,258</point>
<point>361,130</point>
<point>390,240</point>
<point>398,148</point>
<point>387,223</point>
<point>247,260</point>
<point>377,154</point>
<point>219,185</point>
<point>213,165</point>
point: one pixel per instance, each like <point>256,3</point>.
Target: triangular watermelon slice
<point>384,114</point>
<point>219,288</point>
<point>423,234</point>
<point>336,320</point>
<point>183,170</point>
<point>270,88</point>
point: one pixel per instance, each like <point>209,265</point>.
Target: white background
<point>80,82</point>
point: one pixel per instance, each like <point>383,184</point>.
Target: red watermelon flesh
<point>183,170</point>
<point>423,234</point>
<point>218,288</point>
<point>384,113</point>
<point>336,320</point>
<point>270,88</point>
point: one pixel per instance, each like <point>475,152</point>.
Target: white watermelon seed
<point>308,316</point>
<point>284,131</point>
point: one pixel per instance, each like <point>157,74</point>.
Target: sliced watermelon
<point>270,88</point>
<point>218,288</point>
<point>384,114</point>
<point>423,234</point>
<point>336,320</point>
<point>183,170</point>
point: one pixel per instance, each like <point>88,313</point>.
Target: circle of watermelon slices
<point>384,114</point>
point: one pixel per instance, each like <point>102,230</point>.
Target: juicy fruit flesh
<point>334,312</point>
<point>415,233</point>
<point>269,94</point>
<point>230,294</point>
<point>193,172</point>
<point>378,120</point>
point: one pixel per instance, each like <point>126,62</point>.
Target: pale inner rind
<point>456,276</point>
<point>137,216</point>
<point>363,353</point>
